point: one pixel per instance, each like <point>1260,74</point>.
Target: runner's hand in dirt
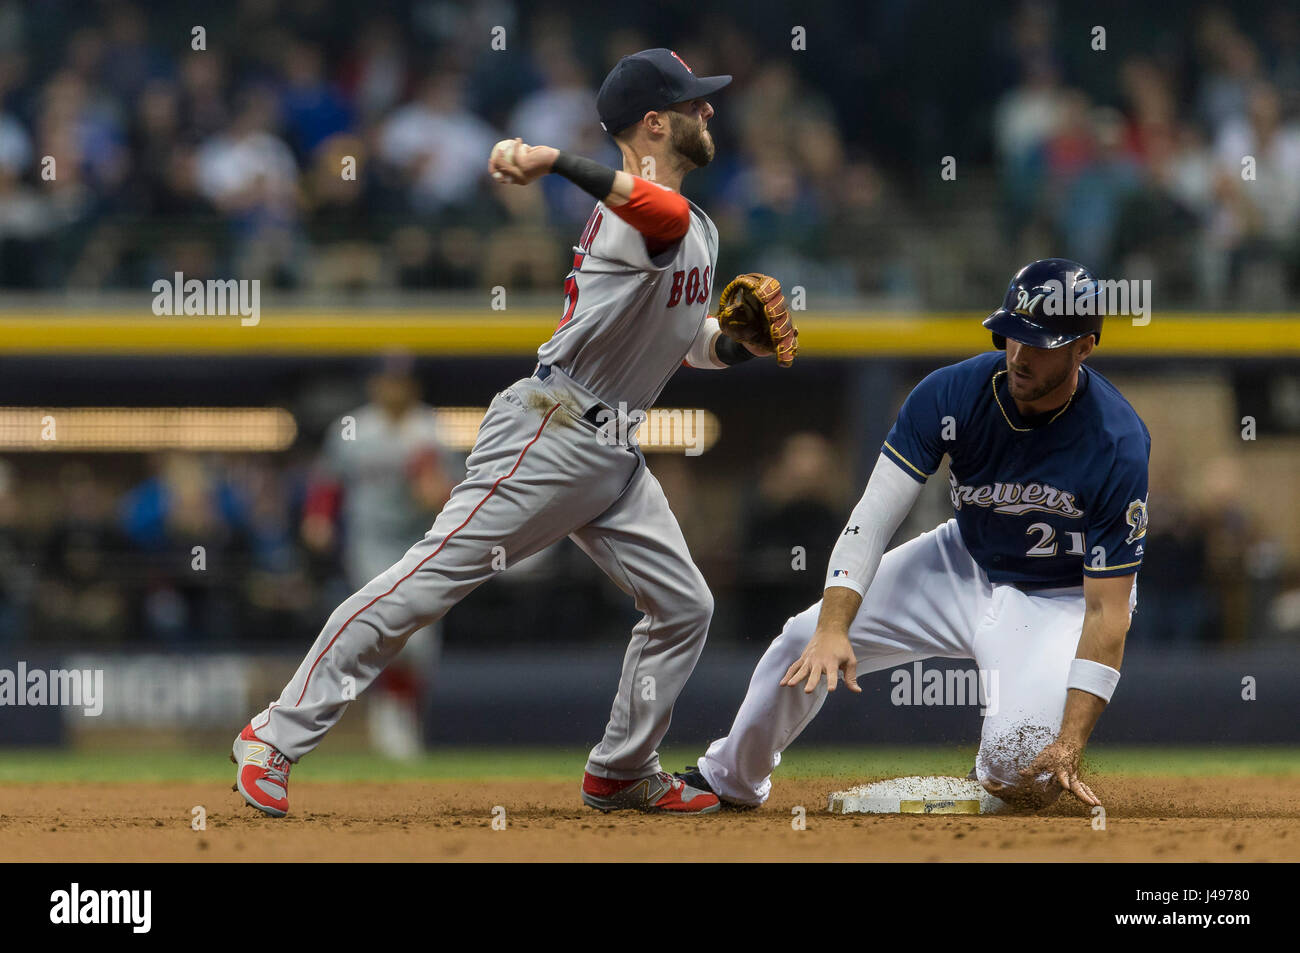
<point>828,652</point>
<point>1062,761</point>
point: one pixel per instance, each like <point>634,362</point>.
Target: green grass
<point>23,766</point>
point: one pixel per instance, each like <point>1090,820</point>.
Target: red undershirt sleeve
<point>660,215</point>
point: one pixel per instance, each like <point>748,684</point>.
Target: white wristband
<point>701,353</point>
<point>1093,678</point>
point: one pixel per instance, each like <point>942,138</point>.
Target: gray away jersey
<point>375,465</point>
<point>629,319</point>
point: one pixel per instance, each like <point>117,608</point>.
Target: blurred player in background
<point>382,476</point>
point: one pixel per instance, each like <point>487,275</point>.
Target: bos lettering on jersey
<point>1043,504</point>
<point>692,286</point>
<point>629,318</point>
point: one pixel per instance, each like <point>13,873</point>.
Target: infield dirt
<point>1187,819</point>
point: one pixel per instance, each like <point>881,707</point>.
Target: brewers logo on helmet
<point>1042,306</point>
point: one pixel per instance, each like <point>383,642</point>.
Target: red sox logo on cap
<point>647,80</point>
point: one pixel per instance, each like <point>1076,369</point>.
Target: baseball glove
<point>752,311</point>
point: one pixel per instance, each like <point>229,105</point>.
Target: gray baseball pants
<point>538,472</point>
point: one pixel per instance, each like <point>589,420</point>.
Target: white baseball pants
<point>929,599</point>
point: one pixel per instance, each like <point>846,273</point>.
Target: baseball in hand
<point>504,154</point>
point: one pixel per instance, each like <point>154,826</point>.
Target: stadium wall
<point>561,696</point>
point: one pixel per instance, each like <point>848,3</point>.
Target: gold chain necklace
<point>998,399</point>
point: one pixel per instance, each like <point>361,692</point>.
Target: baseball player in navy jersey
<point>556,454</point>
<point>1034,577</point>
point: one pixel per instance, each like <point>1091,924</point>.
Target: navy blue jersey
<point>1042,504</point>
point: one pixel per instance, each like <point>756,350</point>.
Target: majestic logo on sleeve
<point>1015,498</point>
<point>1136,517</point>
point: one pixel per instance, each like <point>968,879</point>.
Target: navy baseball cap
<point>651,79</point>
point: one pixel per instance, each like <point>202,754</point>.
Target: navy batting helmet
<point>1043,304</point>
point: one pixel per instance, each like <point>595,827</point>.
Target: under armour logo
<point>850,529</point>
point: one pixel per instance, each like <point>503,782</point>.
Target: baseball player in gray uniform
<point>382,475</point>
<point>556,455</point>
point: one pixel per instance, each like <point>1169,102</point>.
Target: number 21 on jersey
<point>1046,544</point>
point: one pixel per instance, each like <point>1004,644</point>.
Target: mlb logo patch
<point>839,572</point>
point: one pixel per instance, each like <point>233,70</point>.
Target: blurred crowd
<point>187,550</point>
<point>317,148</point>
<point>1188,172</point>
<point>254,551</point>
<point>312,147</point>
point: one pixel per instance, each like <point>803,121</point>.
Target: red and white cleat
<point>262,775</point>
<point>658,793</point>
